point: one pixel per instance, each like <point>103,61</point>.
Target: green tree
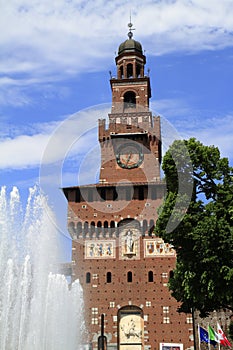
<point>230,330</point>
<point>197,219</point>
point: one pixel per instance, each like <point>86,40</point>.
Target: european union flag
<point>203,334</point>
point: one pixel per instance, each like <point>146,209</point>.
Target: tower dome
<point>130,45</point>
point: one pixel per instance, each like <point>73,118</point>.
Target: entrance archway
<point>130,328</point>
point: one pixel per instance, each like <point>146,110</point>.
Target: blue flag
<point>203,334</point>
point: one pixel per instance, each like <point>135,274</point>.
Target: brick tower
<point>122,266</point>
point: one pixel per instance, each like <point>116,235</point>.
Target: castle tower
<point>122,267</point>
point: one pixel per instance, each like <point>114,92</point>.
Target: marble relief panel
<point>100,249</point>
<point>129,243</point>
<point>157,247</point>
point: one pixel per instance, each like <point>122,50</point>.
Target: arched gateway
<point>130,328</point>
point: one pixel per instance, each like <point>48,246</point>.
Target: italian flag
<point>222,338</point>
<point>213,336</point>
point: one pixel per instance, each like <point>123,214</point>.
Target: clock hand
<point>128,159</point>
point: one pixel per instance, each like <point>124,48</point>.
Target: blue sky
<point>55,62</point>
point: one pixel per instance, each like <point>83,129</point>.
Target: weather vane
<point>130,25</point>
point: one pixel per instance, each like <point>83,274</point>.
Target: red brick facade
<point>122,267</point>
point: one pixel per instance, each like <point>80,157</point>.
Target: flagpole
<point>194,330</point>
<point>219,344</point>
<point>199,338</point>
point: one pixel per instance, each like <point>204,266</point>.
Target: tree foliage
<point>199,224</point>
<point>230,330</point>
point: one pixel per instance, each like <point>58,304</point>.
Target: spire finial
<point>130,25</point>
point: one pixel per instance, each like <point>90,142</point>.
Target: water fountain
<point>38,309</point>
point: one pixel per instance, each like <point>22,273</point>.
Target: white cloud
<point>51,143</point>
<point>205,125</point>
<point>23,151</point>
<point>214,131</point>
<point>64,143</point>
<point>41,38</point>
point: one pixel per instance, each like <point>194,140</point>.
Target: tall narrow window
<point>90,195</point>
<point>109,277</point>
<point>153,193</point>
<point>129,70</point>
<point>114,194</point>
<point>138,71</point>
<point>121,72</point>
<point>150,276</point>
<point>151,226</point>
<point>141,193</point>
<point>88,277</point>
<point>79,228</point>
<point>103,194</point>
<point>77,196</point>
<point>92,227</point>
<point>99,228</point>
<point>85,227</point>
<point>105,228</point>
<point>128,195</point>
<point>144,227</point>
<point>129,276</point>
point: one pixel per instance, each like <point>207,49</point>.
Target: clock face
<point>129,155</point>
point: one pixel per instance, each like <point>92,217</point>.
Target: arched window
<point>92,227</point>
<point>85,227</point>
<point>112,228</point>
<point>79,227</point>
<point>105,228</point>
<point>121,71</point>
<point>71,228</point>
<point>88,277</point>
<point>109,277</point>
<point>151,226</point>
<point>129,276</point>
<point>130,99</point>
<point>144,227</point>
<point>99,227</point>
<point>129,70</point>
<point>138,71</point>
<point>150,276</point>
